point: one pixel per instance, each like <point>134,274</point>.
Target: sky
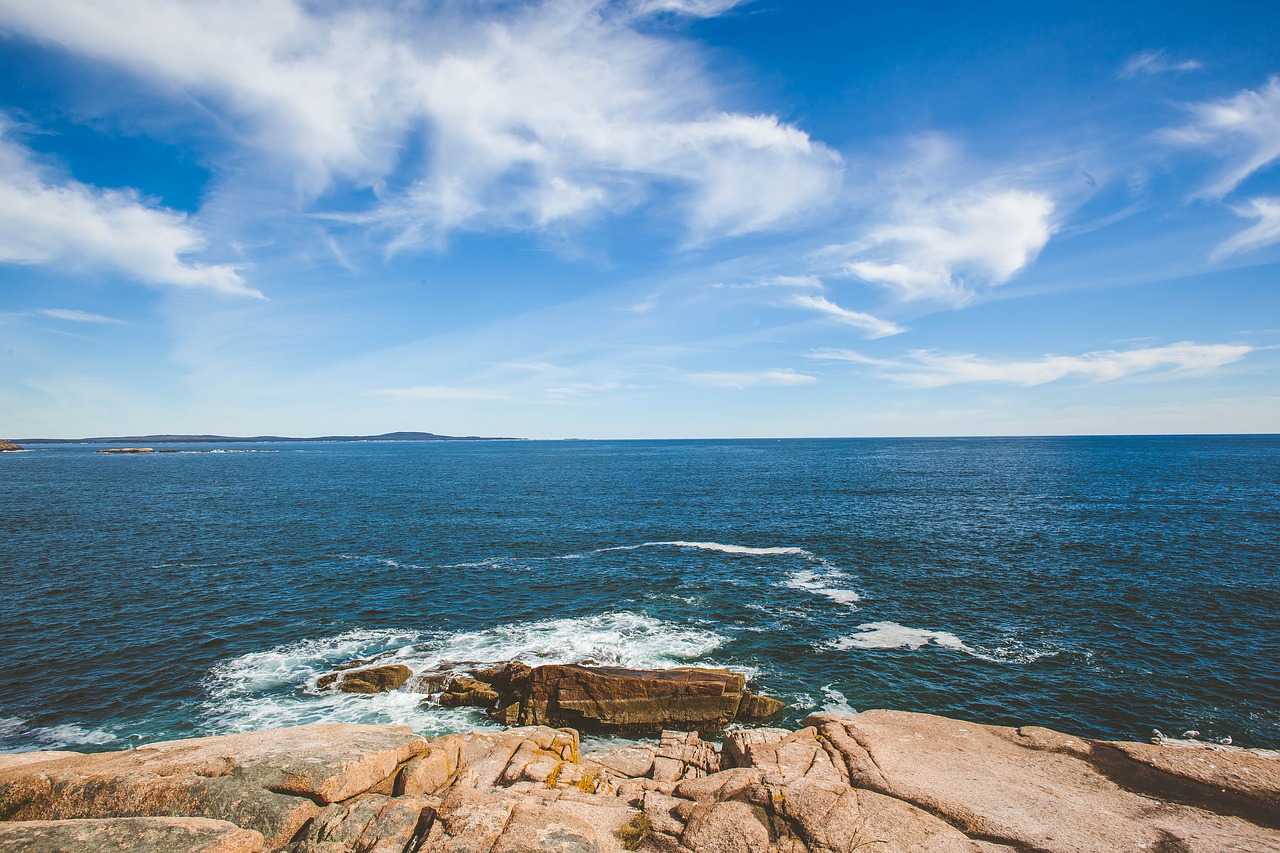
<point>639,218</point>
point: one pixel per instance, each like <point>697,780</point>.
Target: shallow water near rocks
<point>1103,586</point>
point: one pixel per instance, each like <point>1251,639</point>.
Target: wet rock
<point>468,692</point>
<point>129,835</point>
<point>127,450</point>
<point>375,679</point>
<point>755,708</point>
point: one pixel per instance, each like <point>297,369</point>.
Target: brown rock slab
<point>271,781</point>
<point>638,702</point>
<point>993,784</point>
<point>21,759</point>
<point>9,445</point>
<point>468,692</point>
<point>129,835</point>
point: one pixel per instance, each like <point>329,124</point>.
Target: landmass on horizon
<point>209,439</point>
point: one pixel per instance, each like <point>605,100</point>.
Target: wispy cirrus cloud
<point>929,369</point>
<point>46,219</point>
<point>476,116</point>
<point>694,8</point>
<point>1149,63</point>
<point>872,325</point>
<point>949,248</point>
<point>739,380</point>
<point>72,315</point>
<point>1243,129</point>
<point>1264,232</point>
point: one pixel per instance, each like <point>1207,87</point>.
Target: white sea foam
<point>837,702</point>
<point>819,584</point>
<point>714,546</point>
<point>16,731</point>
<point>891,635</point>
<point>278,686</point>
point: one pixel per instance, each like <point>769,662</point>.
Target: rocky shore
<point>9,445</point>
<point>882,781</point>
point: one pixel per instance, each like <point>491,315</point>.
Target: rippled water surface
<point>1100,585</point>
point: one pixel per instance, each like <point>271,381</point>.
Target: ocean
<point>1101,586</point>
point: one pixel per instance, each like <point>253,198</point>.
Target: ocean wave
<point>714,546</point>
<point>278,686</point>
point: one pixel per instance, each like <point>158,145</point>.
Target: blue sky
<point>642,218</point>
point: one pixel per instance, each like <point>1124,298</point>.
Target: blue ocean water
<point>1103,586</point>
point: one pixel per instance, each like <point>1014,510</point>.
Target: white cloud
<point>1263,233</point>
<point>927,369</point>
<point>873,326</point>
<point>747,379</point>
<point>1149,63</point>
<point>694,8</point>
<point>535,115</point>
<point>800,282</point>
<point>1243,129</point>
<point>947,249</point>
<point>47,220</point>
<point>74,316</point>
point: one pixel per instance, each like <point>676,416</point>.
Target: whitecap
<point>891,635</point>
<point>18,735</point>
<point>811,581</point>
<point>714,546</point>
<point>837,702</point>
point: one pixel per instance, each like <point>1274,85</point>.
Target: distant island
<point>227,439</point>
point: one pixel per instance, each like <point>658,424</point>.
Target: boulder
<point>9,445</point>
<point>129,835</point>
<point>272,781</point>
<point>374,679</point>
<point>755,708</point>
<point>468,692</point>
<point>627,701</point>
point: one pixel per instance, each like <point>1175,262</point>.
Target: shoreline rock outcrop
<point>9,445</point>
<point>612,699</point>
<point>884,781</point>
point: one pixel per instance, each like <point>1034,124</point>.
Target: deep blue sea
<point>1102,586</point>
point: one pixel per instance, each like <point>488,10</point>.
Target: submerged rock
<point>375,679</point>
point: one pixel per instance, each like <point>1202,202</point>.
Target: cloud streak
<point>1149,63</point>
<point>739,380</point>
<point>72,315</point>
<point>1243,129</point>
<point>45,220</point>
<point>1264,232</point>
<point>928,369</point>
<point>872,325</point>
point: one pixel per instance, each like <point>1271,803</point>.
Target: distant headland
<point>228,439</point>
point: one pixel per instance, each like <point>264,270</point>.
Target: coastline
<point>880,780</point>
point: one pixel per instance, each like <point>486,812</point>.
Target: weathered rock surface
<point>636,702</point>
<point>129,835</point>
<point>127,450</point>
<point>9,445</point>
<point>271,781</point>
<point>374,679</point>
<point>882,781</point>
